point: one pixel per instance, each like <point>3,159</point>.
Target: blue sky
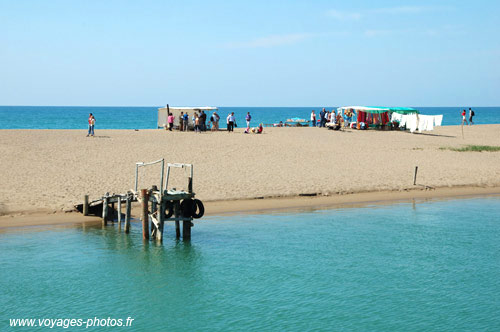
<point>250,53</point>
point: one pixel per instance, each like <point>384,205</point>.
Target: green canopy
<point>379,110</point>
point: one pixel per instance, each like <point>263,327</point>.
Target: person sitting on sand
<point>258,130</point>
<point>254,130</point>
<point>340,121</point>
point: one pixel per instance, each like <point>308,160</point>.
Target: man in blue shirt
<point>185,120</point>
<point>322,117</point>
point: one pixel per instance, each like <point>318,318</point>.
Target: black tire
<point>169,209</point>
<point>187,207</point>
<point>198,206</point>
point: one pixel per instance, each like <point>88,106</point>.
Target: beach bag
<point>472,113</point>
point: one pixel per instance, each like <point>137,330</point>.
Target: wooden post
<point>186,229</point>
<point>105,211</point>
<point>161,221</point>
<point>119,212</point>
<point>86,205</point>
<point>177,214</point>
<point>145,213</point>
<point>112,214</point>
<point>127,214</point>
<point>154,208</point>
<point>415,177</point>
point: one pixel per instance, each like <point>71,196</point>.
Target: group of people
<point>326,117</point>
<point>199,121</point>
<point>464,117</point>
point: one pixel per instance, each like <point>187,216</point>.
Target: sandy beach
<point>48,171</point>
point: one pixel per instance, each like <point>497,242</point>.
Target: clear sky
<point>250,53</point>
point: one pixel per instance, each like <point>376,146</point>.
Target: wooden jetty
<point>158,205</point>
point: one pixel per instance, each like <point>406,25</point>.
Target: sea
<point>429,265</point>
<point>72,117</point>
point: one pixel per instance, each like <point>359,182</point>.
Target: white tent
<point>176,112</point>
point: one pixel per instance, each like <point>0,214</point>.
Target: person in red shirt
<point>91,125</point>
<point>464,117</point>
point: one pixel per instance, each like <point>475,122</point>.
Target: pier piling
<point>177,214</point>
<point>186,229</point>
<point>161,221</point>
<point>119,212</point>
<point>145,214</point>
<point>105,210</point>
<point>86,205</point>
<point>127,213</point>
<point>113,211</point>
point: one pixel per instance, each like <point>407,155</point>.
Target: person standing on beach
<point>464,117</point>
<point>230,122</point>
<point>197,127</point>
<point>185,121</point>
<point>216,118</point>
<point>181,121</point>
<point>471,114</point>
<point>248,118</point>
<point>91,125</point>
<point>322,117</point>
<point>203,121</point>
<point>313,118</point>
<point>170,121</point>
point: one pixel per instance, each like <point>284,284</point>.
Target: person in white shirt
<point>313,118</point>
<point>471,114</point>
<point>230,122</point>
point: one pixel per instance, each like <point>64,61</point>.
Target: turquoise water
<point>430,266</point>
<point>65,117</point>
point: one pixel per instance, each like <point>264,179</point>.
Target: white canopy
<point>187,108</point>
